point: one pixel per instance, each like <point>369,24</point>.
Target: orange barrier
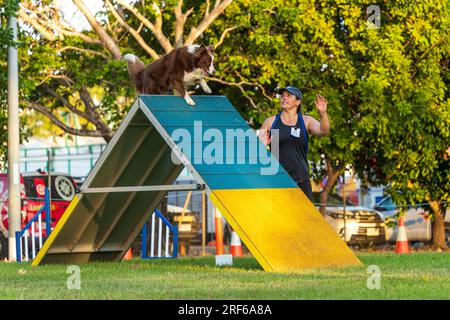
<point>219,233</point>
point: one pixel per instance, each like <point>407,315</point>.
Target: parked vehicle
<point>417,222</point>
<point>4,212</point>
<point>359,225</point>
<point>33,187</point>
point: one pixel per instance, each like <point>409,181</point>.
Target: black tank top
<point>293,151</point>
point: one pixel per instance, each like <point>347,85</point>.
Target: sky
<point>74,16</point>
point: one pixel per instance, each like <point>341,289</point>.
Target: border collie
<point>174,71</point>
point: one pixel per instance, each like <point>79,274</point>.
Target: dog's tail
<point>135,70</point>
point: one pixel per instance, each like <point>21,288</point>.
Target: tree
<point>405,107</point>
<point>61,55</point>
<point>7,8</point>
<point>387,87</point>
<point>5,39</point>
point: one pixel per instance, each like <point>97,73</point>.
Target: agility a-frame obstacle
<point>272,216</point>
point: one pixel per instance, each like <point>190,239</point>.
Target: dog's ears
<point>200,50</point>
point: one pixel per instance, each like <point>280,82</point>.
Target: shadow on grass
<point>242,263</point>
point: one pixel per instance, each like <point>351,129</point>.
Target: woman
<point>294,128</point>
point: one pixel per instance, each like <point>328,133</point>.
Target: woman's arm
<point>264,131</point>
<point>315,127</point>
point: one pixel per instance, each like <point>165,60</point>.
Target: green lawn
<point>413,276</point>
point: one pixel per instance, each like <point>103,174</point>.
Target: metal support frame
<point>180,187</point>
<point>169,227</point>
<point>24,232</point>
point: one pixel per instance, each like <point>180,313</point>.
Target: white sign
<point>224,260</point>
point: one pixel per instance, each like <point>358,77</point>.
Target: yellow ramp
<point>282,229</point>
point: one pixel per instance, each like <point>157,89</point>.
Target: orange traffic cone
<point>402,240</point>
<point>128,255</point>
<point>236,246</point>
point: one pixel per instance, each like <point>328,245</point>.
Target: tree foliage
<point>406,108</point>
<point>8,8</point>
<point>387,87</point>
<point>81,71</point>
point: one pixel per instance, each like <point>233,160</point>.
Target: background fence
<point>76,161</point>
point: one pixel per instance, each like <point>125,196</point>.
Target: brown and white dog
<point>174,71</point>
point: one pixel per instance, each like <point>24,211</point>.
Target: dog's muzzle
<point>211,70</point>
<point>207,72</point>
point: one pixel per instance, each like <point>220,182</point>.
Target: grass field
<point>413,276</point>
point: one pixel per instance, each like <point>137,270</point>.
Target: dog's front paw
<point>207,90</point>
<point>189,101</point>
<point>205,87</point>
